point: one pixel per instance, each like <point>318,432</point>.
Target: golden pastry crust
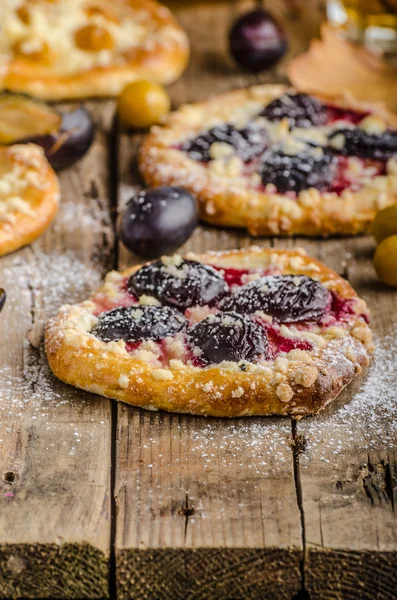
<point>39,54</point>
<point>229,197</point>
<point>29,195</point>
<point>297,383</point>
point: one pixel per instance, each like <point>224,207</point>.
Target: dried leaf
<point>334,66</point>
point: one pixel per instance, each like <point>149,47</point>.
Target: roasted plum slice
<point>357,142</point>
<point>286,298</point>
<point>138,323</point>
<point>300,109</point>
<point>248,143</point>
<point>310,167</point>
<point>64,136</point>
<point>178,283</point>
<point>227,336</point>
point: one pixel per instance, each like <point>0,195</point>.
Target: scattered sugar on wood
<point>368,420</point>
<point>36,289</point>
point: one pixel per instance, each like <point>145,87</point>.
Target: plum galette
<point>77,48</point>
<point>237,333</point>
<point>278,162</point>
<point>29,195</point>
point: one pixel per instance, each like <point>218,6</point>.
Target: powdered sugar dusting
<point>260,446</point>
<point>36,288</point>
<point>368,419</point>
<point>57,278</point>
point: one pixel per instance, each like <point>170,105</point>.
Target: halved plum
<point>228,336</point>
<point>357,142</point>
<point>3,297</point>
<point>247,143</point>
<point>64,136</point>
<point>138,323</point>
<point>311,167</point>
<point>286,298</point>
<point>178,283</point>
<point>300,109</point>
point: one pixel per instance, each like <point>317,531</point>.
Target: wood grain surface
<point>104,500</point>
<point>55,440</point>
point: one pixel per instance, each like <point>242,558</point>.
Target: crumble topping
<point>295,354</point>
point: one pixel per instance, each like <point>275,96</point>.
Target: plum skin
<point>257,41</point>
<point>3,297</point>
<point>158,221</point>
<point>287,298</point>
<point>150,323</point>
<point>198,284</point>
<point>70,143</point>
<point>228,336</point>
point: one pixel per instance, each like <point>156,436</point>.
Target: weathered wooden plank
<point>205,508</point>
<point>348,468</point>
<point>345,474</point>
<point>54,440</point>
<point>194,492</point>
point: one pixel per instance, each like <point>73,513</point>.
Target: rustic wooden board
<point>54,440</point>
<point>348,467</point>
<point>201,500</point>
<point>205,508</point>
<point>343,461</point>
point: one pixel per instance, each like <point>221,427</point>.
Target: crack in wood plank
<point>54,439</point>
<point>298,445</point>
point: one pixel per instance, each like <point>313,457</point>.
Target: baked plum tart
<point>279,162</point>
<point>82,48</point>
<point>29,195</point>
<point>237,333</point>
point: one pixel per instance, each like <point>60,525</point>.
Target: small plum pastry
<point>29,195</point>
<point>278,162</point>
<point>63,49</point>
<point>227,334</point>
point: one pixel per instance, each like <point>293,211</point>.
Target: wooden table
<point>103,500</point>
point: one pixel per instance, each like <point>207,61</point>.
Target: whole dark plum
<point>64,136</point>
<point>178,283</point>
<point>74,138</point>
<point>287,298</point>
<point>228,336</point>
<point>158,221</point>
<point>138,323</point>
<point>257,41</point>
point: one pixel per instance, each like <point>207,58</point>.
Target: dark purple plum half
<point>359,143</point>
<point>3,297</point>
<point>300,171</point>
<point>184,284</point>
<point>247,143</point>
<point>66,146</point>
<point>257,41</point>
<point>158,221</point>
<point>300,109</point>
<point>286,298</point>
<point>138,323</point>
<point>228,336</point>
